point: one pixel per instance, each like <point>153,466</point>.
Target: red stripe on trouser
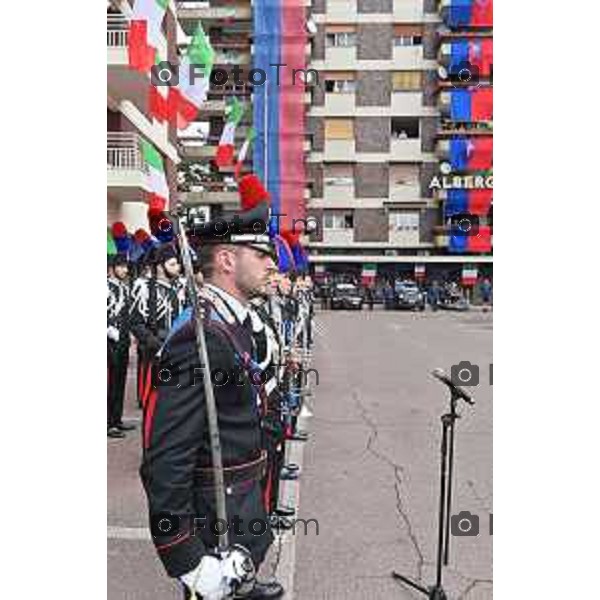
<point>140,380</point>
<point>149,416</point>
<point>267,491</point>
<point>148,384</point>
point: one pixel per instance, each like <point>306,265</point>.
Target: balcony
<point>240,11</point>
<point>124,83</point>
<point>228,198</point>
<point>338,196</point>
<point>117,38</point>
<point>404,239</point>
<point>341,11</point>
<point>404,193</point>
<point>405,149</point>
<point>127,173</point>
<point>232,57</point>
<point>340,104</point>
<point>200,150</point>
<point>340,58</point>
<point>338,237</point>
<point>339,150</point>
<point>408,11</point>
<point>407,103</point>
<point>407,57</point>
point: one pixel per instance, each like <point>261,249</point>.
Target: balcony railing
<point>123,152</point>
<point>117,31</point>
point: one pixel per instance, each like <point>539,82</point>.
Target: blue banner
<point>267,52</point>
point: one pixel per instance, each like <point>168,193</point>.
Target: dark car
<point>346,295</point>
<point>409,295</point>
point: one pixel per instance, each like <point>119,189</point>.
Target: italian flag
<point>469,275</point>
<point>243,153</point>
<point>369,272</point>
<point>226,148</point>
<point>186,98</point>
<point>156,180</point>
<point>145,33</point>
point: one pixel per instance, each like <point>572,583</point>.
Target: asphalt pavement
<point>369,472</point>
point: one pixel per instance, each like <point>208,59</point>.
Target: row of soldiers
<point>257,320</point>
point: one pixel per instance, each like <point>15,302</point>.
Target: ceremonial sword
<point>211,406</point>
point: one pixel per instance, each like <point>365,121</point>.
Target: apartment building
<point>228,24</point>
<point>129,121</point>
<point>379,127</point>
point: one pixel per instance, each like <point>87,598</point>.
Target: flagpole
<point>266,128</point>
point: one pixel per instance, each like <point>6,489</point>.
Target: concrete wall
<point>371,180</point>
<point>375,41</point>
<point>373,88</point>
<point>372,134</point>
<point>370,225</point>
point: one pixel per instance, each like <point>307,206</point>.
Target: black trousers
<point>117,361</point>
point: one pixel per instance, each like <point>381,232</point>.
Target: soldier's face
<point>252,271</point>
<point>172,268</point>
<point>121,271</point>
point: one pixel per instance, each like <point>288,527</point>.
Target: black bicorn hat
<point>164,253</point>
<point>248,228</point>
<point>117,259</point>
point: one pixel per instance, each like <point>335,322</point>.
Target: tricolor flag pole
<point>266,130</point>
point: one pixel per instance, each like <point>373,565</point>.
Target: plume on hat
<point>252,191</point>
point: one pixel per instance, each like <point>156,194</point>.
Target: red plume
<point>156,204</point>
<point>252,191</point>
<point>119,229</point>
<point>291,237</point>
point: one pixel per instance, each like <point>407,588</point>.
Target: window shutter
<point>339,129</point>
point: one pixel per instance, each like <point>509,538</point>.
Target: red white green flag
<point>145,33</point>
<point>243,153</point>
<point>186,98</point>
<point>156,180</point>
<point>226,148</point>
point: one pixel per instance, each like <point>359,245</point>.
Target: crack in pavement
<point>275,563</point>
<point>398,472</point>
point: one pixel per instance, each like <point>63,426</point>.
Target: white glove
<point>238,569</point>
<point>208,579</point>
<point>113,333</point>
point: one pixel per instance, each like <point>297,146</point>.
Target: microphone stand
<point>437,592</point>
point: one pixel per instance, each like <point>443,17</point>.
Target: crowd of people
<point>256,320</point>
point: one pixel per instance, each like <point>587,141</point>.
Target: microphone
<point>460,392</point>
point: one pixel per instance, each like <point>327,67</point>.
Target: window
<point>408,35</point>
<point>339,129</point>
<point>405,128</point>
<point>340,39</point>
<point>340,86</point>
<point>404,221</point>
<point>338,175</point>
<point>405,174</point>
<point>408,40</point>
<point>407,80</point>
<point>338,221</point>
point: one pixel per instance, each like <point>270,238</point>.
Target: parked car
<point>346,295</point>
<point>409,295</point>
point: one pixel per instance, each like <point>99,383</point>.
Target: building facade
<point>380,125</point>
<point>129,121</point>
<point>228,25</point>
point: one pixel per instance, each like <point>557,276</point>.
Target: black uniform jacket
<point>178,444</point>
